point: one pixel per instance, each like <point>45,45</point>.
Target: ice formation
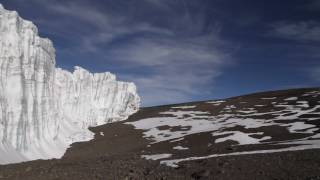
<point>43,108</point>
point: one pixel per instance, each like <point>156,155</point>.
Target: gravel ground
<point>116,150</point>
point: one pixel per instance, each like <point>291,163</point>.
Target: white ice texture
<point>43,109</point>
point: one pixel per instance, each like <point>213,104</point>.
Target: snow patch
<point>291,99</point>
<point>303,104</point>
<point>215,103</point>
<point>174,162</point>
<point>176,140</point>
<point>240,137</point>
<point>180,148</point>
<point>156,156</point>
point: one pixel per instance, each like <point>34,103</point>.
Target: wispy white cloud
<point>182,58</point>
<point>171,85</point>
<point>304,31</point>
<point>163,51</point>
<point>306,35</point>
<point>104,26</point>
<point>181,69</point>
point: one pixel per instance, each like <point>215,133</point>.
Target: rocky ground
<point>271,135</point>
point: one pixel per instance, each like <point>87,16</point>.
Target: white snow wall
<point>43,109</point>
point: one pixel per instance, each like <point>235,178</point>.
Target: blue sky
<point>185,50</point>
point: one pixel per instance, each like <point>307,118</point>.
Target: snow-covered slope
<point>43,109</point>
<point>269,122</point>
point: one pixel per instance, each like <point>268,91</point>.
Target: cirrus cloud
<point>170,59</point>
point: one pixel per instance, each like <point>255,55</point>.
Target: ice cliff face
<point>43,109</point>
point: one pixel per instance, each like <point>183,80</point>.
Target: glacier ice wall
<point>43,109</point>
